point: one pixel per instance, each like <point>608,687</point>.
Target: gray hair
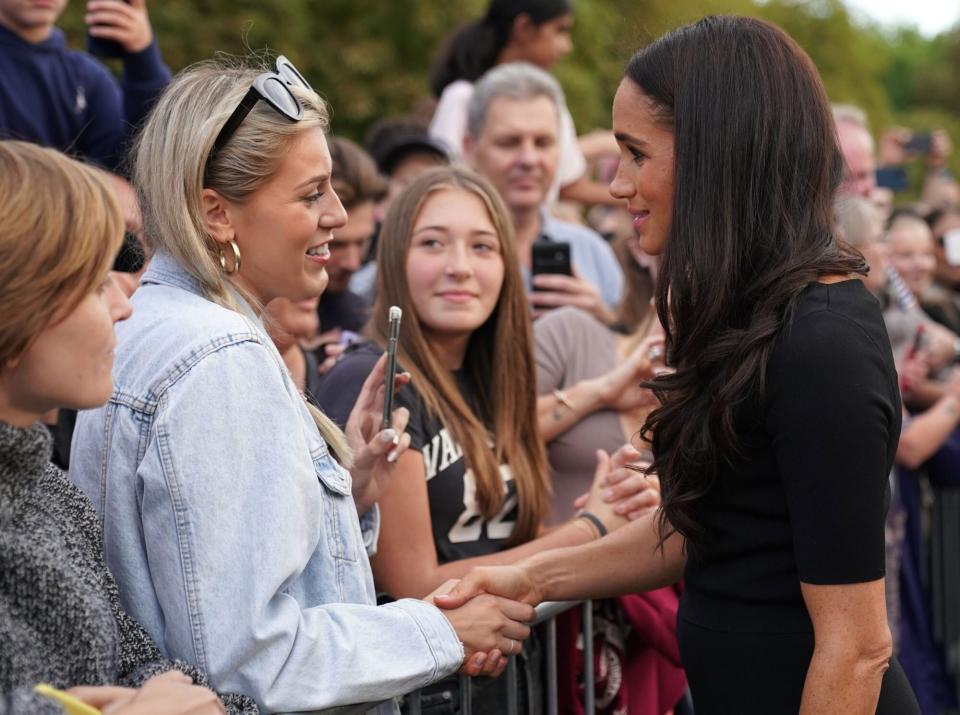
<point>514,80</point>
<point>850,114</point>
<point>859,220</point>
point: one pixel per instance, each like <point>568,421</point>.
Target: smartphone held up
<point>102,46</point>
<point>394,319</point>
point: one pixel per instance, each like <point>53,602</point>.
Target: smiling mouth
<point>322,251</point>
<point>640,218</point>
<point>457,296</point>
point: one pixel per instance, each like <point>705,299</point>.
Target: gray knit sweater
<point>60,616</point>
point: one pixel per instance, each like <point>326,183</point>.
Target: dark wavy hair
<point>473,49</point>
<point>756,166</point>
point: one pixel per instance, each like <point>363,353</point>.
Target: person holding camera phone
<point>511,139</point>
<point>474,486</point>
<point>899,145</point>
<point>237,518</point>
<point>66,99</point>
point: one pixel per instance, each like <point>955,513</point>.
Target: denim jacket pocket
<point>340,511</point>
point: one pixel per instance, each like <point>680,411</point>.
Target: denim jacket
<point>230,529</point>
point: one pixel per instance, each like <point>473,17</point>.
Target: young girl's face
<point>454,265</point>
<point>547,43</point>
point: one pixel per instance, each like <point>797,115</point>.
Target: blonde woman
<point>474,487</point>
<point>230,507</point>
<point>62,622</point>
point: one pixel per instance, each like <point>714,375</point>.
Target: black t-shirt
<point>459,531</point>
<point>807,500</point>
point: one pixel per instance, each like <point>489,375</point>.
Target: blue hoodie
<point>66,99</point>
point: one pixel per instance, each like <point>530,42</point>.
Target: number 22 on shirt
<point>469,526</point>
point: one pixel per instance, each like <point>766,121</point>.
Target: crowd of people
<point>703,368</point>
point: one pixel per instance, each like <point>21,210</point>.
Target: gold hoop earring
<point>236,259</point>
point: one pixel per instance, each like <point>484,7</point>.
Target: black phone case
<point>100,47</point>
<point>552,257</point>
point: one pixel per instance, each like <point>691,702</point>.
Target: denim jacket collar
<point>164,269</point>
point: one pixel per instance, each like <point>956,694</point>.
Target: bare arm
<point>924,394</point>
<point>587,191</point>
<point>556,416</point>
<point>406,561</point>
<point>618,390</point>
<point>927,432</point>
<point>626,561</point>
<point>852,651</point>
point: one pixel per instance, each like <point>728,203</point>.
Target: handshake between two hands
<point>492,607</point>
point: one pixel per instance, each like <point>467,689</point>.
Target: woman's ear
<point>217,216</point>
<point>524,30</point>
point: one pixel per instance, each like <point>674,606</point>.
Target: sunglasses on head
<point>274,89</point>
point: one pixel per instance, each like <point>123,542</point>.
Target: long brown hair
<point>499,358</point>
<point>756,167</point>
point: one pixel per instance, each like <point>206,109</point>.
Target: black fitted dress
<point>805,502</point>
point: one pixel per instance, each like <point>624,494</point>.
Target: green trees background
<point>370,57</point>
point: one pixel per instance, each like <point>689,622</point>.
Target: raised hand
<point>620,388</point>
<point>125,23</point>
<point>375,451</point>
<point>629,490</point>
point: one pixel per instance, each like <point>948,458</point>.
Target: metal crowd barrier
<point>546,614</point>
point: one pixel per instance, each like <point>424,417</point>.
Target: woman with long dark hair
<point>778,427</point>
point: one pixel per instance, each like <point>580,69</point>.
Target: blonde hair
<point>60,232</point>
<point>169,166</point>
<point>499,357</point>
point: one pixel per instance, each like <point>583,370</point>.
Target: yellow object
<point>72,705</point>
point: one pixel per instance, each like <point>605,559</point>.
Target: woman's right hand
<point>512,581</point>
<point>170,693</point>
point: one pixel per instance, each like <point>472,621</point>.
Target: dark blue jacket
<point>68,100</point>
